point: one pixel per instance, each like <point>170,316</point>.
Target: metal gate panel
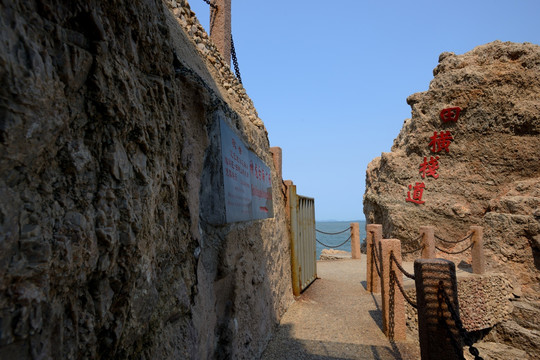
<point>303,251</point>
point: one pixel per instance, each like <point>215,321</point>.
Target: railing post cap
<point>437,261</point>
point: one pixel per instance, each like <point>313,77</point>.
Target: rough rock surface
<point>333,254</point>
<point>105,111</point>
<point>489,177</point>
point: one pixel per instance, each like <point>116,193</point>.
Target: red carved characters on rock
<point>429,168</point>
<point>450,114</point>
<point>440,141</point>
<point>418,191</point>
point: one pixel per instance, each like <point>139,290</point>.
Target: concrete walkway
<point>336,318</point>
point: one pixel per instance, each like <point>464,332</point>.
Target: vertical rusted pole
<point>433,312</point>
<point>220,27</point>
<point>428,242</point>
<point>477,252</point>
<point>355,240</point>
<point>393,306</point>
<point>277,156</point>
<point>373,236</point>
<point>292,204</point>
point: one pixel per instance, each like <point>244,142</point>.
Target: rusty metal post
<point>277,156</point>
<point>220,27</point>
<point>428,242</point>
<point>433,313</point>
<point>355,240</point>
<point>373,237</point>
<point>393,305</point>
<point>293,233</point>
<point>477,252</point>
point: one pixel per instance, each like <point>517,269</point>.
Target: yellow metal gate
<point>303,252</point>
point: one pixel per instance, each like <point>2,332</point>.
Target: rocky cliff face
<point>483,169</point>
<point>106,111</point>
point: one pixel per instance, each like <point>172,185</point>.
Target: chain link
<point>454,242</point>
<point>235,61</point>
<point>212,5</point>
<point>375,258</point>
<point>333,233</point>
<point>407,274</point>
<point>456,252</point>
<point>443,296</point>
<point>391,305</point>
<point>333,246</point>
<point>405,296</point>
<point>412,251</point>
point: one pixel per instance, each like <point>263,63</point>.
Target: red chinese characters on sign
<point>450,114</point>
<point>417,192</point>
<point>429,168</point>
<point>440,141</point>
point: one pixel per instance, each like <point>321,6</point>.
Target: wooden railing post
<point>435,321</point>
<point>373,237</point>
<point>477,252</point>
<point>428,242</point>
<point>355,240</point>
<point>393,306</point>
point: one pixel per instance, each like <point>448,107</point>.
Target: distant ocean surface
<point>333,227</point>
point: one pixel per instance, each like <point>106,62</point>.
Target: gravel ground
<point>336,318</point>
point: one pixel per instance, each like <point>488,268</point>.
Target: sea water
<point>337,226</point>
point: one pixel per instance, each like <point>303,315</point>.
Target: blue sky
<point>330,79</point>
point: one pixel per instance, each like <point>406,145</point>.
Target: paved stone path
<point>336,318</point>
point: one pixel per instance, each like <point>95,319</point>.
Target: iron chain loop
<point>235,61</point>
<point>400,287</point>
<point>391,305</point>
<point>407,274</point>
<point>376,258</point>
<point>413,251</point>
<point>332,233</point>
<point>212,5</point>
<point>454,242</point>
<point>333,246</point>
<point>456,252</point>
<point>443,296</point>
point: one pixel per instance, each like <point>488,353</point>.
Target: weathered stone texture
<point>491,174</point>
<point>105,111</point>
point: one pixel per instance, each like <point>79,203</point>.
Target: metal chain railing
<point>212,5</point>
<point>375,258</point>
<point>233,50</point>
<point>391,304</point>
<point>443,296</point>
<point>407,274</point>
<point>455,252</point>
<point>333,233</point>
<point>235,61</point>
<point>333,246</point>
<point>414,250</point>
<point>393,277</point>
<point>452,241</point>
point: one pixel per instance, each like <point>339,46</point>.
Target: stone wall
<point>105,134</point>
<point>489,177</point>
<point>483,302</point>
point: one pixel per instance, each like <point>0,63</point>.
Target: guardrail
<point>354,237</point>
<point>440,329</point>
<point>302,231</point>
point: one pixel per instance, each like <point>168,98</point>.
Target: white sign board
<point>247,180</point>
